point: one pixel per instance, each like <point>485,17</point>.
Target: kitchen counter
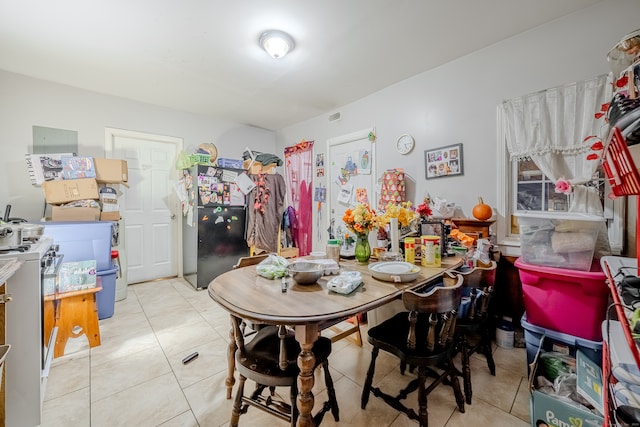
<point>7,268</point>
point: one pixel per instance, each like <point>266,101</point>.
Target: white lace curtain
<point>550,128</point>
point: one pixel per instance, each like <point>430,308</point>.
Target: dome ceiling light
<point>276,43</point>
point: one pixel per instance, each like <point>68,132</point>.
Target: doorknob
<point>173,216</point>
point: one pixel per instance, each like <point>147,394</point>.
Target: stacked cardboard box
<point>61,192</point>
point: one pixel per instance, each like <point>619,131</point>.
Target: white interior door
<point>351,175</point>
<point>149,205</point>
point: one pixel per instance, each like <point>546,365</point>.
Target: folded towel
<point>572,242</point>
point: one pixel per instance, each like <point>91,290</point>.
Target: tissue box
<point>77,275</point>
<point>558,239</point>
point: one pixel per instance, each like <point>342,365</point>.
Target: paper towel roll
<point>393,232</point>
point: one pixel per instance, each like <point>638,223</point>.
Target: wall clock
<point>405,144</point>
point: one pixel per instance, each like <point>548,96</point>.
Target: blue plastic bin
<point>553,339</point>
<point>83,240</point>
<point>106,298</point>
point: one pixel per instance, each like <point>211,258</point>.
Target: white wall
<point>456,103</point>
<point>25,102</point>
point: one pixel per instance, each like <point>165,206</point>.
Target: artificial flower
<point>403,212</point>
<point>360,219</point>
<point>424,210</point>
<point>563,186</point>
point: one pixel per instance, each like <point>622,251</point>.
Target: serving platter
<point>394,271</point>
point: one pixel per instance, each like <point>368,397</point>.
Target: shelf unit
<point>623,176</point>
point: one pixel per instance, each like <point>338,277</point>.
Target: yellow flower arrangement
<point>360,219</point>
<point>405,214</point>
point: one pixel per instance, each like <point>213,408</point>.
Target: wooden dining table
<point>307,308</point>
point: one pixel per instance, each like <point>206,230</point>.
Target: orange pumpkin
<point>481,211</point>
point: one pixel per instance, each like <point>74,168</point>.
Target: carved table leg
<point>231,352</point>
<point>306,335</point>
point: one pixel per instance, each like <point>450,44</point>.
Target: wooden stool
<point>76,309</point>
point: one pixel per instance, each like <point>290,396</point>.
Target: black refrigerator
<point>217,236</point>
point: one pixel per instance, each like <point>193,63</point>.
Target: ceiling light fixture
<point>276,43</point>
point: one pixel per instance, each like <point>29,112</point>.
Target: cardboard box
<point>289,252</point>
<point>554,411</point>
<point>111,170</point>
<point>257,167</point>
<point>59,192</point>
<point>110,216</point>
<point>59,213</point>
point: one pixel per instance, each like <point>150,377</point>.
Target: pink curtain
<point>299,176</point>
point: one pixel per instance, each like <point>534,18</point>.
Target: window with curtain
<point>545,137</point>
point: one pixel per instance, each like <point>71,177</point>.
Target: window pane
<point>528,171</point>
<point>529,197</point>
<point>556,201</point>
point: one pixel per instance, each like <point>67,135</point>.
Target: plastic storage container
<point>569,301</point>
<point>557,341</point>
<point>106,298</point>
<point>558,239</point>
<point>83,240</point>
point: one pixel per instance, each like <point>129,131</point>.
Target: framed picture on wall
<point>443,161</point>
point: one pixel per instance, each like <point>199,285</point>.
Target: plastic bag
<point>183,161</point>
<point>272,267</point>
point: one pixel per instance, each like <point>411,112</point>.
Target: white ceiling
<point>202,56</point>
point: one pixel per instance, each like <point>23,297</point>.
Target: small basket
<point>200,159</point>
<point>619,166</point>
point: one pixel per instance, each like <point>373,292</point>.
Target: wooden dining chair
<point>270,359</point>
<point>421,337</point>
<point>247,261</point>
<point>475,324</point>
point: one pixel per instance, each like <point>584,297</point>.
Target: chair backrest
<point>250,260</point>
<point>440,304</point>
<point>479,277</point>
<point>478,286</point>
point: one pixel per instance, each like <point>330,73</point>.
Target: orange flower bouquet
<point>361,219</point>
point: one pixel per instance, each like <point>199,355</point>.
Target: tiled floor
<point>136,378</point>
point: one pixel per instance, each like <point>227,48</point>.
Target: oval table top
<point>244,293</point>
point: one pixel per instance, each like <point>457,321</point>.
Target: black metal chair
<point>474,328</point>
<point>423,337</point>
<point>270,359</point>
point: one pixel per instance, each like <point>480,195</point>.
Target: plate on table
<point>394,271</point>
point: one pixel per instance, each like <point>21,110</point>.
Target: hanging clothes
<point>299,175</point>
<point>266,204</point>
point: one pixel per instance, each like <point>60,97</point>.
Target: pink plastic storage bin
<point>569,301</point>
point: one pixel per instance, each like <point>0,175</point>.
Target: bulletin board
<point>351,174</point>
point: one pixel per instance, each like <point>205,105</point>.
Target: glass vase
<point>363,249</point>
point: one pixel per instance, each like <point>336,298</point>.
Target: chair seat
<point>390,336</point>
<point>260,358</point>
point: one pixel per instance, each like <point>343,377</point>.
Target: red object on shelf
<point>619,166</point>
